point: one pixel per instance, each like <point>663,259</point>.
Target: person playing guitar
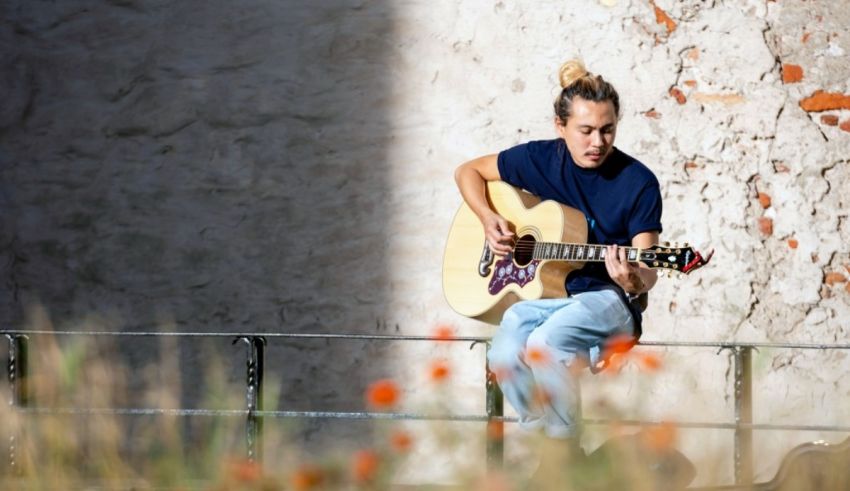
<point>540,343</point>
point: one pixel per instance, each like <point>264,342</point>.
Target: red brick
<point>766,225</point>
<point>825,101</point>
<point>652,113</point>
<point>678,95</point>
<point>791,74</point>
<point>691,83</point>
<point>845,126</point>
<point>661,17</point>
<point>833,278</point>
<point>793,244</point>
<point>829,119</point>
<point>764,200</point>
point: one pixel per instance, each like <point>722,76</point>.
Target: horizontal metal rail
<point>361,415</point>
<point>390,337</point>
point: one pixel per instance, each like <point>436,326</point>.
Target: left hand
<point>621,271</point>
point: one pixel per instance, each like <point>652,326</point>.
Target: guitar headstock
<point>683,259</point>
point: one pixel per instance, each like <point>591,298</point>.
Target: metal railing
<point>254,413</point>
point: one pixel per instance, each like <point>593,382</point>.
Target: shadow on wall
<point>201,166</point>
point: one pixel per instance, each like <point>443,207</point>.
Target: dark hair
<point>577,81</point>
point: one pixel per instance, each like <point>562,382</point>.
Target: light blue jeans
<point>535,348</point>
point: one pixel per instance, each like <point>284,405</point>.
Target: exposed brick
<point>661,17</point>
<point>678,95</point>
<point>764,200</point>
<point>833,278</point>
<point>791,74</point>
<point>805,38</point>
<point>825,101</point>
<point>690,83</point>
<point>845,126</point>
<point>793,244</point>
<point>829,119</point>
<point>728,99</point>
<point>847,287</point>
<point>766,226</point>
<point>652,113</point>
<point>693,54</point>
<point>691,165</point>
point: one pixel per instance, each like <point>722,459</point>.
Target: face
<point>589,132</point>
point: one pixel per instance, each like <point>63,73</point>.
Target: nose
<point>596,139</point>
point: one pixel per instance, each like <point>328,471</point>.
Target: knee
<point>505,351</point>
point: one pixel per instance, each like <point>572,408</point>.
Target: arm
<point>634,279</point>
<point>471,178</point>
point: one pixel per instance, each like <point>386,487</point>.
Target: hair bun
<point>570,72</point>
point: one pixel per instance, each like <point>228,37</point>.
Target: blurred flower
<point>649,362</point>
<point>246,471</point>
<point>364,466</point>
<point>536,356</point>
<point>382,394</point>
<point>501,373</point>
<point>401,441</point>
<point>495,430</point>
<point>659,437</point>
<point>307,477</point>
<point>619,344</point>
<point>438,371</point>
<point>444,332</point>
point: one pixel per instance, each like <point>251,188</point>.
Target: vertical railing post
<point>17,372</point>
<point>495,426</point>
<point>743,415</point>
<point>254,396</point>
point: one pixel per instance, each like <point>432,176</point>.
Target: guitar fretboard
<point>577,252</point>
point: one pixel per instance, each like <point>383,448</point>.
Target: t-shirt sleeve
<point>646,214</point>
<point>523,166</point>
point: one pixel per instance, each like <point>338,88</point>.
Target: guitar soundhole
<point>524,250</point>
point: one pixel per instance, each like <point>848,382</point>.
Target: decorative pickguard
<point>506,272</point>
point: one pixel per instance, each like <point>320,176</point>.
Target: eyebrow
<point>582,126</point>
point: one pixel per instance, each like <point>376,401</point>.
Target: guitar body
<point>479,284</point>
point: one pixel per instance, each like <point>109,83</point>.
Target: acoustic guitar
<point>550,241</point>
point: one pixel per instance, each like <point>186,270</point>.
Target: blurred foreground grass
<point>103,451</point>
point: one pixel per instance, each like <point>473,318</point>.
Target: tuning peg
<point>666,243</point>
<point>685,245</point>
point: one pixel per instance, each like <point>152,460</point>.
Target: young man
<point>540,342</point>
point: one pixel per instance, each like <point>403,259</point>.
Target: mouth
<point>595,155</point>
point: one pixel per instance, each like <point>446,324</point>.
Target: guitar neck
<point>559,251</point>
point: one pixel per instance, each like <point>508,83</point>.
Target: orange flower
<point>438,371</point>
<point>619,344</point>
<point>495,430</point>
<point>382,394</point>
<point>307,477</point>
<point>365,465</point>
<point>444,332</point>
<point>660,437</point>
<point>536,356</point>
<point>501,373</point>
<point>649,362</point>
<point>401,441</point>
<point>246,471</point>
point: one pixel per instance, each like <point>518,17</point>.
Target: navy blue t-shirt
<point>620,199</point>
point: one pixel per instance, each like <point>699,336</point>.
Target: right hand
<point>498,234</point>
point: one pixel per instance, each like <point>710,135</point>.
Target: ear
<point>560,127</point>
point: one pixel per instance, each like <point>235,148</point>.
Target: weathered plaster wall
<point>285,166</point>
